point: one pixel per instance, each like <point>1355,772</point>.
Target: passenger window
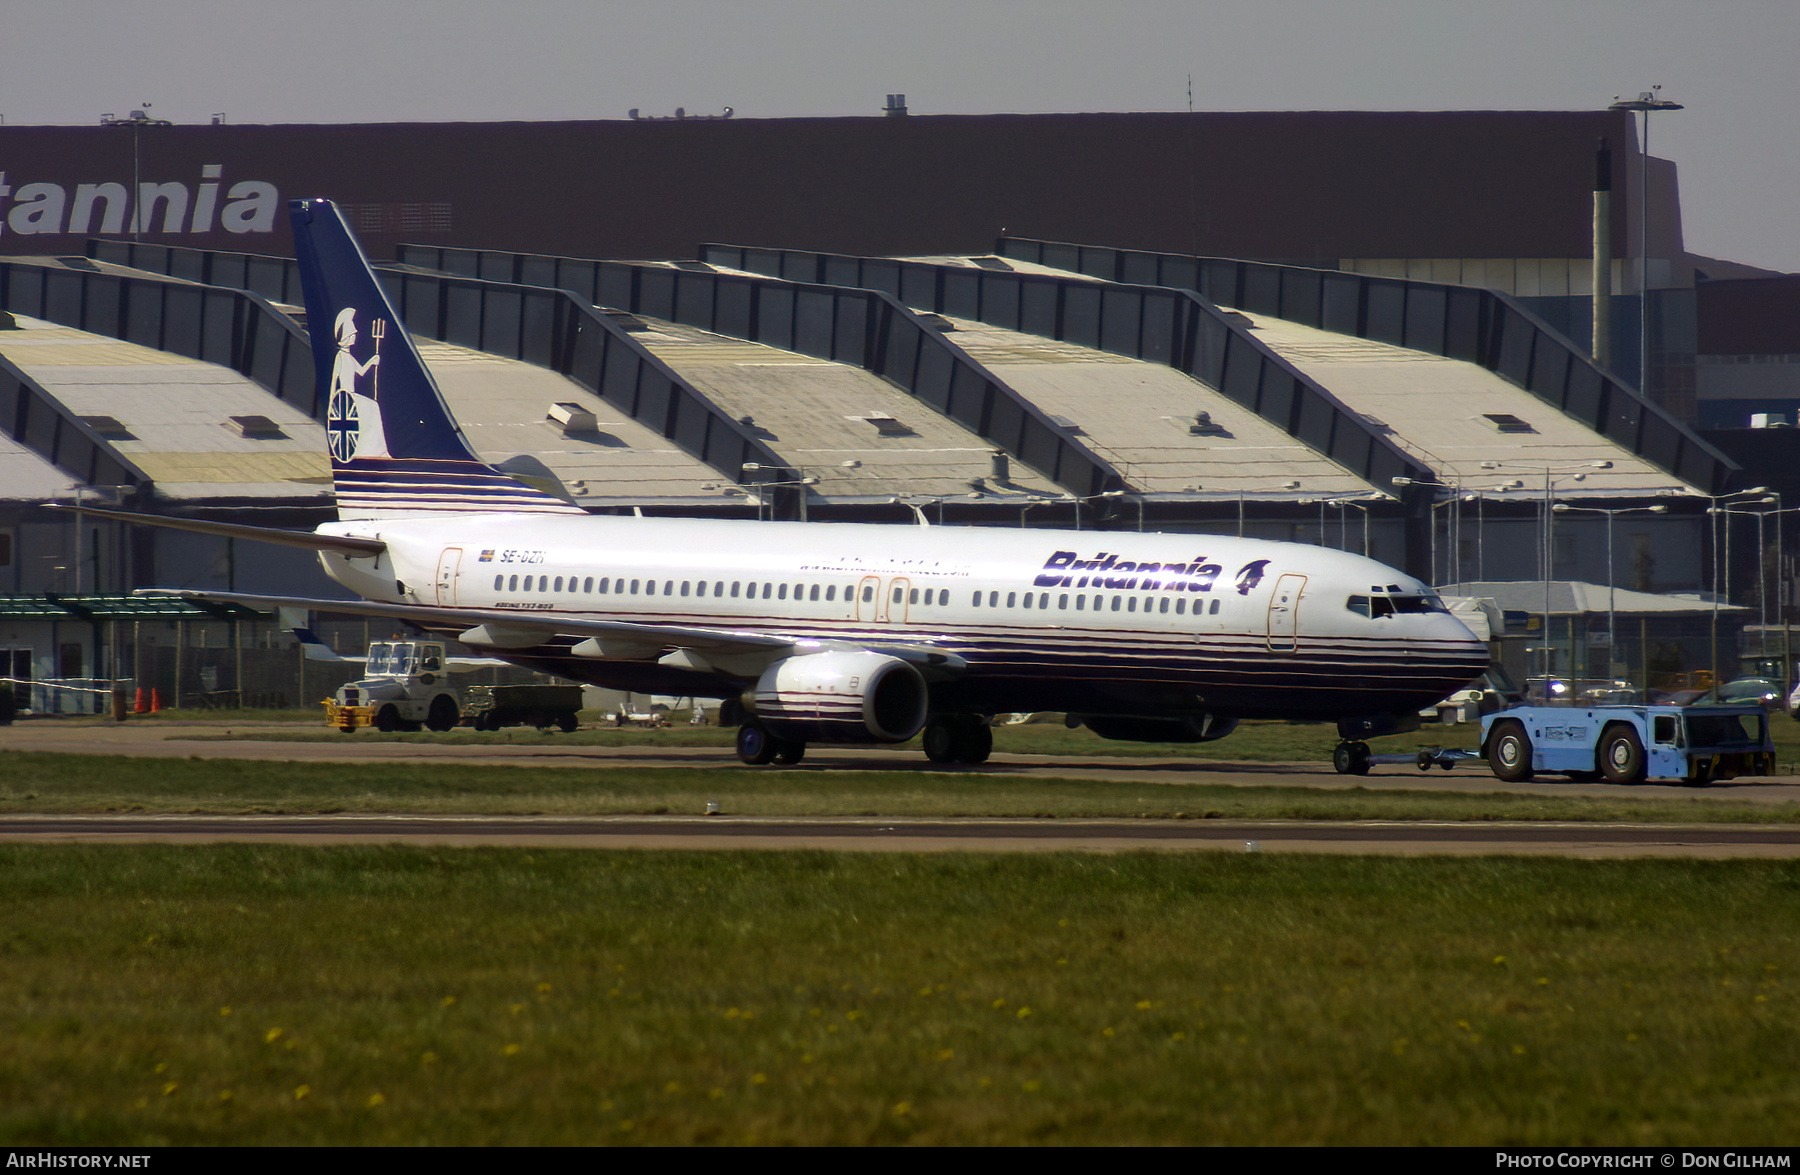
<point>668,587</point>
<point>993,599</point>
<point>767,589</point>
<point>1165,605</point>
<point>1080,603</point>
<point>1027,599</point>
<point>603,583</point>
<point>869,594</point>
<point>978,599</point>
<point>634,587</point>
<point>649,587</point>
<point>897,594</point>
<point>1010,596</point>
<point>830,592</point>
<point>1062,601</point>
<point>587,585</point>
<point>559,583</point>
<point>734,588</point>
<point>499,582</point>
<point>1215,608</point>
<point>719,588</point>
<point>814,594</point>
<point>1180,607</point>
<point>912,597</point>
<point>782,594</point>
<point>1116,600</point>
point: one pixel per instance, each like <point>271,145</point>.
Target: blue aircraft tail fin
<point>395,448</point>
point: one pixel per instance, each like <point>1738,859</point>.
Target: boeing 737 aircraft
<point>834,633</point>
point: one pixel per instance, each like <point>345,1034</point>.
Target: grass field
<point>262,995</point>
<point>42,782</point>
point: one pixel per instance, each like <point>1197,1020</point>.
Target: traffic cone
<point>137,705</point>
<point>155,702</point>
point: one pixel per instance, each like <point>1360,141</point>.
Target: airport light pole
<point>1612,627</point>
<point>1644,103</point>
<point>1713,513</point>
<point>1547,554</point>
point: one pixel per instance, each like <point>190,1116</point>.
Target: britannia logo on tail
<point>353,423</point>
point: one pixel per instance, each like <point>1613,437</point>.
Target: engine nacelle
<point>842,698</point>
<point>1201,728</point>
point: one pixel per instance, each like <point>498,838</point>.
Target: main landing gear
<point>757,747</point>
<point>961,739</point>
<point>958,738</point>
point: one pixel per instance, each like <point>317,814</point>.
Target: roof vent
<point>256,428</point>
<point>109,427</point>
<point>749,422</point>
<point>1507,422</point>
<point>573,418</point>
<point>1204,426</point>
<point>886,425</point>
<point>1069,426</point>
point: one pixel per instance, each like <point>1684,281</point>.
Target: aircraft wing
<point>734,651</point>
<point>342,544</point>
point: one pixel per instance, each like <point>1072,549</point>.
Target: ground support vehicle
<point>407,687</point>
<point>489,707</point>
<point>1694,745</point>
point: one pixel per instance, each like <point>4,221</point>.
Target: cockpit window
<point>1358,605</point>
<point>1380,606</point>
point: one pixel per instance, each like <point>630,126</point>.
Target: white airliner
<point>836,633</point>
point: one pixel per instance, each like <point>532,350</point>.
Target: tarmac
<point>240,742</point>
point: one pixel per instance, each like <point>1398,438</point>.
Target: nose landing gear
<point>1351,758</point>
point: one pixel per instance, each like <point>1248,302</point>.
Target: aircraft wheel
<point>444,714</point>
<point>1424,760</point>
<point>1509,752</point>
<point>387,719</point>
<point>940,740</point>
<point>1621,755</point>
<point>1351,758</point>
<point>755,746</point>
<point>977,743</point>
<point>789,751</point>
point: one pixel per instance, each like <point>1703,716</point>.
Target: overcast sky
<point>1735,65</point>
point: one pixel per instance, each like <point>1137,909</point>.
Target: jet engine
<point>1199,728</point>
<point>843,697</point>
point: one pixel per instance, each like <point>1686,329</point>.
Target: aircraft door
<point>897,605</point>
<point>448,564</point>
<point>869,603</point>
<point>1284,613</point>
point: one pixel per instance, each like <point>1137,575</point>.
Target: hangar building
<point>1399,370</point>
